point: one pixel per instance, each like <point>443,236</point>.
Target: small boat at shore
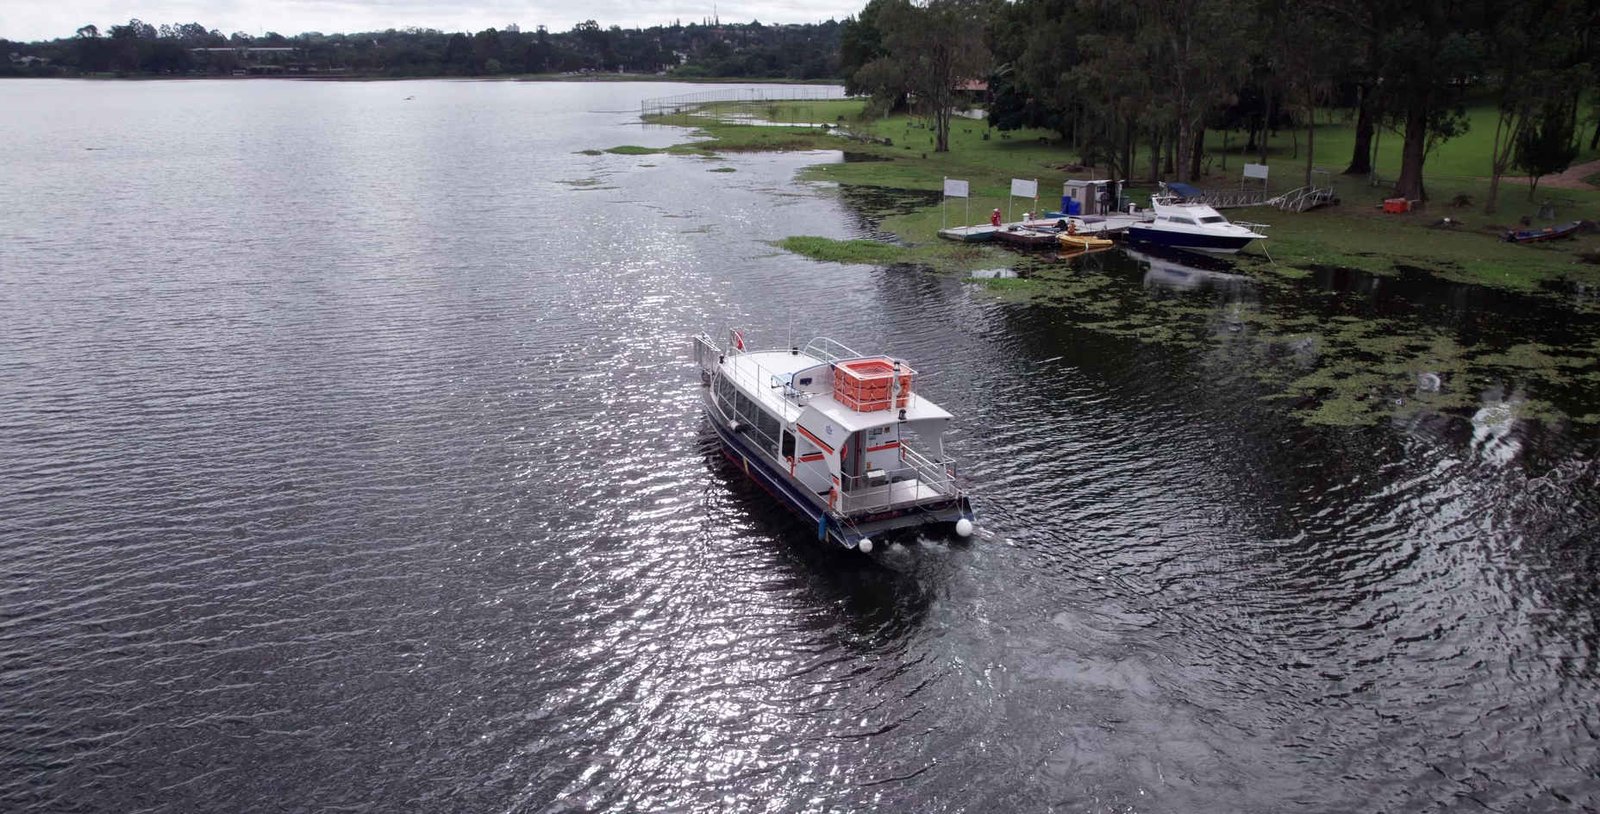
<point>1076,241</point>
<point>1556,232</point>
<point>1025,237</point>
<point>1193,227</point>
<point>839,437</point>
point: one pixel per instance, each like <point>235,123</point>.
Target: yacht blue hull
<point>1225,244</point>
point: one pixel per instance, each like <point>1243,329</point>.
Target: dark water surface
<point>350,459</point>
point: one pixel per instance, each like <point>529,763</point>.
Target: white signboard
<point>954,188</point>
<point>1024,189</point>
<point>1255,171</point>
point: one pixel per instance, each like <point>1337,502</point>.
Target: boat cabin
<point>847,432</point>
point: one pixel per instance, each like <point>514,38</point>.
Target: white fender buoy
<point>964,527</point>
<point>865,546</point>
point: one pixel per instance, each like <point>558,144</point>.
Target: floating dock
<point>970,234</point>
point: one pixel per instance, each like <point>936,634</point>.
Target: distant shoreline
<point>593,77</point>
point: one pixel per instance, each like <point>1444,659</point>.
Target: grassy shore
<point>1323,357</point>
<point>1355,234</point>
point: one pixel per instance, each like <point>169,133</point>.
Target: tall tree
<point>861,42</point>
<point>1308,51</point>
<point>1429,54</point>
<point>1197,54</point>
<point>1545,145</point>
<point>1538,61</point>
<point>928,51</point>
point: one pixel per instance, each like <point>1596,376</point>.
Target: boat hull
<point>1564,230</point>
<point>1026,238</point>
<point>1215,244</point>
<point>761,469</point>
<point>1085,242</point>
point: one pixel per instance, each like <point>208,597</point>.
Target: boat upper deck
<point>768,376</point>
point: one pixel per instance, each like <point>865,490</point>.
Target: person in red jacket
<point>994,218</point>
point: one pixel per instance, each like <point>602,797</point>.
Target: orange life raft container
<point>865,385</point>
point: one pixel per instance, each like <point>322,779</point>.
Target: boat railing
<point>917,480</point>
<point>706,354</point>
<point>828,350</point>
<point>755,377</point>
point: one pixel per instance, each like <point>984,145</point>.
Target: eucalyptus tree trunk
<point>1412,154</point>
<point>1266,128</point>
<point>1197,154</point>
<point>1361,153</point>
<point>1155,155</point>
<point>1311,137</point>
<point>1505,138</point>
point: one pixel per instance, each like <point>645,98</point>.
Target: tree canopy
<point>753,50</point>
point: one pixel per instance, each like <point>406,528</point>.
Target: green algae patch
<point>631,149</point>
<point>1006,285</point>
<point>940,257</point>
<point>591,152</point>
<point>860,252</point>
<point>1537,360</point>
<point>722,169</point>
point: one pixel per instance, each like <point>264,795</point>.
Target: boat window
<point>1189,221</point>
<point>1213,219</point>
<point>767,425</point>
<point>788,444</point>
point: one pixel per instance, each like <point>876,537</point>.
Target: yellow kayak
<point>1084,242</point>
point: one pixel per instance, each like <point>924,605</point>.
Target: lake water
<point>351,458</point>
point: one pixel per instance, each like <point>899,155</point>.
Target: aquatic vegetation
<point>867,252</point>
<point>630,149</point>
<point>945,257</point>
<point>1327,368</point>
<point>1303,326</point>
<point>722,169</point>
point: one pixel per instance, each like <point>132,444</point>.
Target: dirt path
<point>1571,179</point>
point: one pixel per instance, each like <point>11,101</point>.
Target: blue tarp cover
<point>1183,190</point>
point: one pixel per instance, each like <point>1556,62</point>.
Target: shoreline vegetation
<point>699,51</point>
<point>1355,234</point>
<point>1329,358</point>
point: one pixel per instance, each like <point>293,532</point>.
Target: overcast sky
<point>30,20</point>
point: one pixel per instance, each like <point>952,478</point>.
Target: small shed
<point>1096,197</point>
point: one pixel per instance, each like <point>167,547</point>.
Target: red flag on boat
<point>738,339</point>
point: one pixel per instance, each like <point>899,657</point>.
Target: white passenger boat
<point>1195,227</point>
<point>839,437</point>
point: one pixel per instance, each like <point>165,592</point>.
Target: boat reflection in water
<point>1182,271</point>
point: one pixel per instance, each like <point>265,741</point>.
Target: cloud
<point>30,20</point>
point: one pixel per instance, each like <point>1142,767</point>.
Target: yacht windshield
<point>1213,219</point>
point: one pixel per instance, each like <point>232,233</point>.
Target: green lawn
<point>1355,234</point>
